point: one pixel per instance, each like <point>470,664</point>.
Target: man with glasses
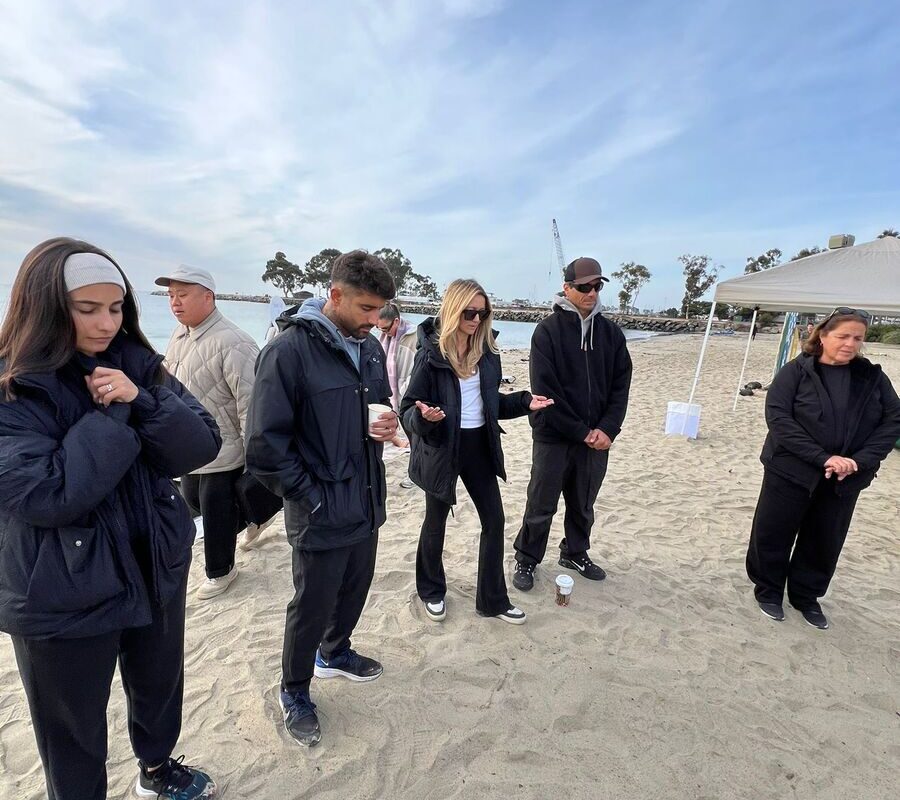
<point>578,358</point>
<point>398,340</point>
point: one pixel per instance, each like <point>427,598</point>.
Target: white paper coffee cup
<point>564,584</point>
<point>375,411</point>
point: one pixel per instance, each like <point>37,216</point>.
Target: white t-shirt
<point>472,413</point>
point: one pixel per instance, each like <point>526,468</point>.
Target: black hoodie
<point>583,364</point>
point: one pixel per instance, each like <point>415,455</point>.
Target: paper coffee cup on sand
<point>375,411</point>
<point>564,585</point>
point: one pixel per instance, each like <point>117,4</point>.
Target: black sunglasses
<point>844,311</point>
<point>584,288</point>
<point>469,314</point>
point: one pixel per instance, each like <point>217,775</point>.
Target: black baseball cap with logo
<point>584,270</point>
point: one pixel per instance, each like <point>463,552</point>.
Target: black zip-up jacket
<point>434,455</point>
<point>801,421</point>
<point>587,375</point>
<point>92,529</point>
<point>307,434</point>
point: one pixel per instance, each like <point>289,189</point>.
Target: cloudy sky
<point>215,133</point>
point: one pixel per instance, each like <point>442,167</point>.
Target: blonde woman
<point>450,412</point>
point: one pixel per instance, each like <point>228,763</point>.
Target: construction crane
<point>557,244</point>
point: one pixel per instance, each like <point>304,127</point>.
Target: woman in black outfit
<point>95,540</point>
<point>450,412</point>
<point>833,417</point>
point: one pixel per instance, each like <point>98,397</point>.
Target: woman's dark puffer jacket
<point>434,456</point>
<point>83,487</point>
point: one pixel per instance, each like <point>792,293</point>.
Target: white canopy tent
<point>866,277</point>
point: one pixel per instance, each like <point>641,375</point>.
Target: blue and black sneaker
<point>300,719</point>
<point>174,781</point>
<point>348,664</point>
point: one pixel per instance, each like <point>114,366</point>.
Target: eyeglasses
<point>844,311</point>
<point>584,288</point>
<point>469,314</point>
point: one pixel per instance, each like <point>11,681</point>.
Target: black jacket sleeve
<point>785,430</point>
<point>617,399</point>
<point>419,388</point>
<point>50,483</point>
<point>885,436</point>
<point>514,404</point>
<point>273,456</point>
<point>178,435</point>
<point>545,381</point>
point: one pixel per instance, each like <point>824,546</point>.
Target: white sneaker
<point>514,616</point>
<point>249,539</point>
<point>213,587</point>
<point>436,610</point>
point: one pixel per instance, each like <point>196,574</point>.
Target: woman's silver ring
<point>109,388</point>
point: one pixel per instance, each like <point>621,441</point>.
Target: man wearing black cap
<point>578,358</point>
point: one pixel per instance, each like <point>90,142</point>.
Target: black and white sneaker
<point>174,781</point>
<point>583,565</point>
<point>300,719</point>
<point>772,611</point>
<point>513,615</point>
<point>436,610</point>
<point>348,664</point>
<point>523,577</point>
<point>814,616</point>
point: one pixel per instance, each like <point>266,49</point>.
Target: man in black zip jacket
<point>309,441</point>
<point>580,360</point>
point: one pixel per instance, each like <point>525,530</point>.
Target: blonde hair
<point>457,297</point>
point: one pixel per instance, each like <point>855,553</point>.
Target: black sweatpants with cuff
<point>67,683</point>
<point>796,539</point>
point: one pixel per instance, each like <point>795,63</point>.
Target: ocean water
<point>157,321</point>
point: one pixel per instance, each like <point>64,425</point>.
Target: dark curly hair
<point>364,272</point>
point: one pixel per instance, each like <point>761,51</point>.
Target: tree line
<point>290,278</point>
<point>700,273</point>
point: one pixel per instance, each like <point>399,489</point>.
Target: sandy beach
<point>663,681</point>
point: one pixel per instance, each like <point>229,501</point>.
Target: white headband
<point>86,269</point>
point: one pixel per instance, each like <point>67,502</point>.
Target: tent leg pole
<point>737,392</point>
<point>712,311</point>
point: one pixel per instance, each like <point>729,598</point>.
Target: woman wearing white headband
<point>95,541</point>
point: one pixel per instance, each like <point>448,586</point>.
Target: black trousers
<point>477,473</point>
<point>330,590</point>
<point>213,497</point>
<point>814,525</point>
<point>574,471</point>
<point>67,683</point>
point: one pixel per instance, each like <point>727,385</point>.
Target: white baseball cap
<point>185,274</point>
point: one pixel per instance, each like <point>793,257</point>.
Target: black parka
<point>307,434</point>
<point>83,489</point>
<point>434,455</point>
<point>801,419</point>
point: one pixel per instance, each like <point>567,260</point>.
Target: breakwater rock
<point>635,323</point>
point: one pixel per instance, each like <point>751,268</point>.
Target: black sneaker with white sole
<point>300,719</point>
<point>772,611</point>
<point>523,577</point>
<point>348,664</point>
<point>583,565</point>
<point>174,781</point>
<point>814,616</point>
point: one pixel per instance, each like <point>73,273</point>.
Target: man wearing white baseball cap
<point>215,359</point>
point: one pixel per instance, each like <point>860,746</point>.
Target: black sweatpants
<point>212,495</point>
<point>67,683</point>
<point>477,473</point>
<point>818,522</point>
<point>330,590</point>
<point>576,472</point>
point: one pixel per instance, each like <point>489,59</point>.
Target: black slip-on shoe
<point>814,616</point>
<point>772,611</point>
